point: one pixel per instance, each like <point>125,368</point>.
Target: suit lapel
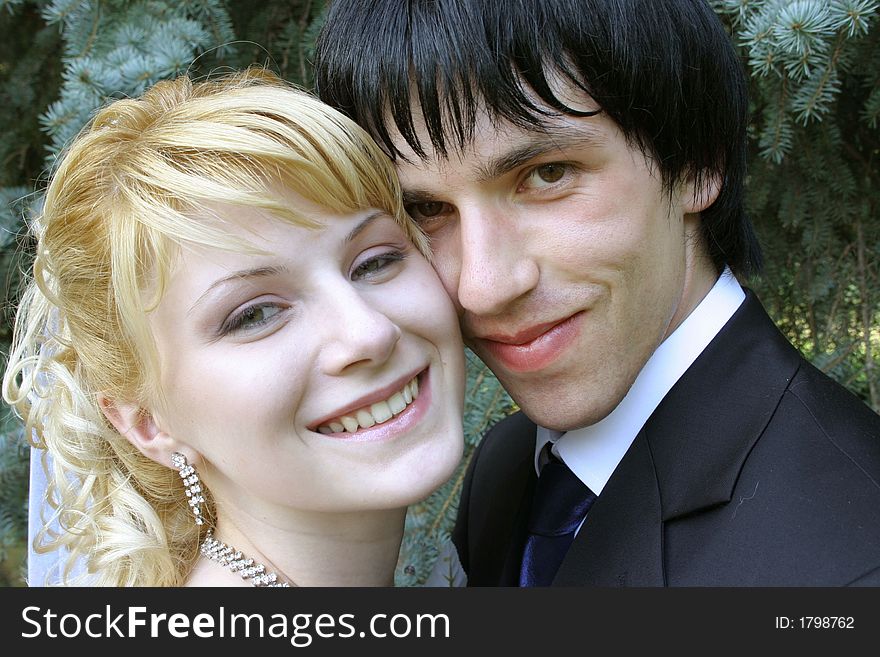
<point>688,455</point>
<point>703,431</point>
<point>503,486</point>
<point>620,542</point>
<point>513,559</point>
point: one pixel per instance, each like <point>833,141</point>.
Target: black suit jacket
<point>755,470</point>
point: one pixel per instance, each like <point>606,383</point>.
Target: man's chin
<point>559,413</point>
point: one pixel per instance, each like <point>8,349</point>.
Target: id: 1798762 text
<point>815,623</point>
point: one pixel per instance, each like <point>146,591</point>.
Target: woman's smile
<point>365,414</point>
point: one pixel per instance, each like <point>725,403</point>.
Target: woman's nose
<point>357,334</point>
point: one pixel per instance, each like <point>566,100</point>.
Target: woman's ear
<point>700,191</point>
<point>139,427</point>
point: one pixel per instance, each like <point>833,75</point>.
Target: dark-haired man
<point>579,167</point>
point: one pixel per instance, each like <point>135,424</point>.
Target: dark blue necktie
<point>560,504</point>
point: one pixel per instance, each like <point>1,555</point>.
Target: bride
<point>233,348</point>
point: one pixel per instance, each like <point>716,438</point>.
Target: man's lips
<point>524,336</point>
<point>532,348</point>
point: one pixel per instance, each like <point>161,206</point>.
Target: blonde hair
<point>127,194</point>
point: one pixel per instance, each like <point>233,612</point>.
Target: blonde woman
<point>234,350</point>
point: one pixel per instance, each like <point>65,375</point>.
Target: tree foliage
<point>813,188</point>
<point>814,68</point>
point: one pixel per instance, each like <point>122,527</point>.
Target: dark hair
<point>664,70</point>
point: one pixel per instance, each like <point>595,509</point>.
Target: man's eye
<point>550,173</point>
<point>426,210</point>
<point>546,176</point>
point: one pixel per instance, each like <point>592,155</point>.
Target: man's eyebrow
<point>411,196</point>
<point>557,139</point>
<point>243,274</point>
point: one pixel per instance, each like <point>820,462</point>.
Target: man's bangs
<point>443,79</point>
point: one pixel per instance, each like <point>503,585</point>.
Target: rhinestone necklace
<point>236,562</point>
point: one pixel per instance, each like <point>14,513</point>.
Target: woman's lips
<point>535,348</point>
<point>365,401</point>
<point>398,424</point>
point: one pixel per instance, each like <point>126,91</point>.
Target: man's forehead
<point>497,143</point>
<point>488,129</point>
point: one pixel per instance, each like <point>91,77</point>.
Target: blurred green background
<point>813,189</point>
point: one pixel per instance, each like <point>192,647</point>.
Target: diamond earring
<point>193,486</point>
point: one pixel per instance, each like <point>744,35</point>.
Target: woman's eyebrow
<point>363,224</point>
<point>242,274</point>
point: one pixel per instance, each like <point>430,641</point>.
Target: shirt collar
<point>594,452</point>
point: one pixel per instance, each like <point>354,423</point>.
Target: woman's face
<point>293,374</point>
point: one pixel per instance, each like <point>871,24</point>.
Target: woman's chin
<point>433,471</point>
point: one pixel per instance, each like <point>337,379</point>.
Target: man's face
<point>567,260</point>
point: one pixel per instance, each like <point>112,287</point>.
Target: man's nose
<point>496,267</point>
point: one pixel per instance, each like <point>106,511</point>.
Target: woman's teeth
<point>377,413</point>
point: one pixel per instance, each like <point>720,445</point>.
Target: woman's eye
<point>375,265</point>
<point>251,317</point>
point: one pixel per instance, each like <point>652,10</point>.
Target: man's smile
<point>533,348</point>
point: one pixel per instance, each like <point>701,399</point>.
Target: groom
<point>579,167</point>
